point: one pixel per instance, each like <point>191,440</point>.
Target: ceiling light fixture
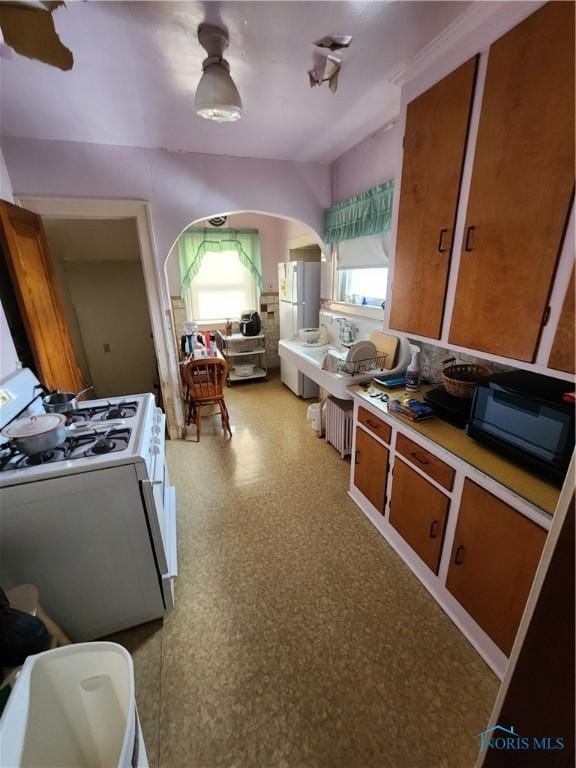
<point>217,97</point>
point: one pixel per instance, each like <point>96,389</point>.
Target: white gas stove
<point>92,522</point>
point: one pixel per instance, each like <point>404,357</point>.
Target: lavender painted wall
<point>8,358</point>
<point>371,162</point>
<point>181,187</point>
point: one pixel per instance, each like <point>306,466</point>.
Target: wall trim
<point>461,27</point>
<point>88,208</point>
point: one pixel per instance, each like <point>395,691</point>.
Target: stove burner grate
<point>104,445</point>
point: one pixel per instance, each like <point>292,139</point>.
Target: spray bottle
<point>412,381</point>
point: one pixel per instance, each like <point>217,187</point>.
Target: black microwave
<point>523,416</point>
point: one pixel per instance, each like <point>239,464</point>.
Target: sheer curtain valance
<point>194,244</point>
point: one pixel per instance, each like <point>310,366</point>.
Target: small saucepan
<point>62,402</point>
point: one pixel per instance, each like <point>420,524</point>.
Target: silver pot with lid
<point>37,434</point>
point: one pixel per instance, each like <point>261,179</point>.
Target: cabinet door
<point>371,468</point>
<point>434,148</point>
<point>495,555</point>
<point>562,354</point>
<point>23,243</point>
<point>418,511</point>
<point>522,185</point>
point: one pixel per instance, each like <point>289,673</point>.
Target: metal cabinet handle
<point>468,245</point>
<point>433,529</point>
<point>372,424</point>
<point>419,458</point>
<point>441,247</point>
<point>356,457</point>
<point>459,553</point>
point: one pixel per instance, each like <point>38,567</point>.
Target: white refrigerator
<point>299,295</point>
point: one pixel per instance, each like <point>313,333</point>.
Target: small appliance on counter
<point>454,410</point>
<point>524,416</point>
<point>250,324</point>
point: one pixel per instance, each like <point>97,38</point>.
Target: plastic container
<point>413,370</point>
<point>316,416</point>
<point>73,706</point>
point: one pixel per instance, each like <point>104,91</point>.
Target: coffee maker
<point>250,324</point>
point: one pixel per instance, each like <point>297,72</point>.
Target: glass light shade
<point>217,97</point>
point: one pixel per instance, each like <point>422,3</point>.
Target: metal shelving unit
<point>238,349</point>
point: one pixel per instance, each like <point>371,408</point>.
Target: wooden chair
<point>205,380</point>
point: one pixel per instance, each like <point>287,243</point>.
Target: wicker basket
<point>460,379</point>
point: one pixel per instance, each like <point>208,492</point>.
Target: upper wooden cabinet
<point>562,354</point>
<point>521,189</point>
<point>494,558</point>
<point>434,148</point>
<point>25,250</point>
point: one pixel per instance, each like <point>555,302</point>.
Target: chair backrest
<point>205,378</point>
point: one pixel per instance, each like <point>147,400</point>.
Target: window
<point>362,286</point>
<point>223,288</point>
<point>362,269</point>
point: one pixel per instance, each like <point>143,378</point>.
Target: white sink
<point>309,360</point>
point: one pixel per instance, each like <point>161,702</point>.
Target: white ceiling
<point>137,65</point>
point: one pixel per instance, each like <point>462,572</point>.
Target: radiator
<point>339,419</point>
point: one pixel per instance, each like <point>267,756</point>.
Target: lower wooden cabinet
<point>418,511</point>
<point>371,468</point>
<point>494,558</point>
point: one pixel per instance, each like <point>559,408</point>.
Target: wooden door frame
<point>139,210</point>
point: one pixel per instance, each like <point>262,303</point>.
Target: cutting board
<point>386,345</point>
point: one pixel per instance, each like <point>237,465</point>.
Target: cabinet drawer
<point>374,424</point>
<point>426,461</point>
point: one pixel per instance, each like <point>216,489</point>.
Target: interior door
<point>522,186</point>
<point>23,243</point>
<point>434,148</point>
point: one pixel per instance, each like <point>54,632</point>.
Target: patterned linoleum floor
<point>299,639</point>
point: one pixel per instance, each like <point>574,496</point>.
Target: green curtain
<point>365,214</point>
<point>194,244</point>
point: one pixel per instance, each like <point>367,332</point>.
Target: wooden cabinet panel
<point>522,186</point>
<point>562,354</point>
<point>434,147</point>
<point>426,461</point>
<point>418,511</point>
<point>374,424</point>
<point>24,246</point>
<point>371,468</point>
<point>494,558</point>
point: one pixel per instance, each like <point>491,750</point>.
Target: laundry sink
<point>309,360</point>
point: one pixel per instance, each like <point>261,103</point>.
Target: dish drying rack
<point>366,365</point>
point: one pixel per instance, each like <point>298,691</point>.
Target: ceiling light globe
<point>217,97</point>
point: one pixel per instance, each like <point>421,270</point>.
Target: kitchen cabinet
<point>521,188</point>
<point>493,561</point>
<point>426,461</point>
<point>434,148</point>
<point>374,424</point>
<point>371,468</point>
<point>418,511</point>
<point>563,346</point>
<point>25,251</point>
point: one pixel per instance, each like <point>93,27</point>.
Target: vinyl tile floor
<point>299,638</point>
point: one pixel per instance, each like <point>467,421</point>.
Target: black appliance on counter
<point>250,324</point>
<point>454,410</point>
<point>523,416</point>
